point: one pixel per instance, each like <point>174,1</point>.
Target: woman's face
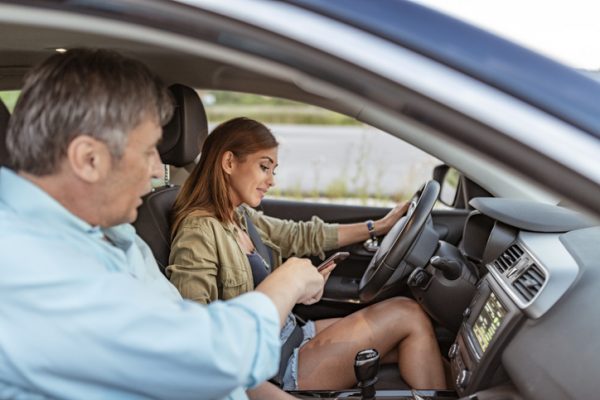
<point>251,178</point>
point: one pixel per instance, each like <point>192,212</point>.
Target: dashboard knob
<point>453,351</point>
<point>462,380</point>
<point>467,312</point>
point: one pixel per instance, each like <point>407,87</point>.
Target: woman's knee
<point>405,311</point>
<point>397,305</point>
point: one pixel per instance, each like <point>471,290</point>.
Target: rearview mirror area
<point>448,178</point>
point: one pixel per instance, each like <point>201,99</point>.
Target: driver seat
<point>181,143</point>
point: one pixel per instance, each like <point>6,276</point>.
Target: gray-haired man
<point>85,311</point>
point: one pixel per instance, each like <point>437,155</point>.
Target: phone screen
<point>339,256</point>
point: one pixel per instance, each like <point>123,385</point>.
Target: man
<point>84,310</point>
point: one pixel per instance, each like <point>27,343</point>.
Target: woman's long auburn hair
<point>207,187</point>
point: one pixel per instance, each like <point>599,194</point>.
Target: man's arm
<point>109,333</point>
<point>268,391</point>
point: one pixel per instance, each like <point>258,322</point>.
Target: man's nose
<point>157,169</point>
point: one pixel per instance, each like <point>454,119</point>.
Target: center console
<point>487,325</point>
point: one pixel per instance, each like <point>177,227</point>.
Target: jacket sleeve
<point>194,263</point>
<point>301,239</point>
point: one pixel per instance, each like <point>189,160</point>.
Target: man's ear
<point>89,158</point>
<point>228,162</point>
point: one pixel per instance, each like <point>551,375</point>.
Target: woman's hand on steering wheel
<point>383,225</point>
<point>397,244</point>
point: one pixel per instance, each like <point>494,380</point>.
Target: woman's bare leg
<point>322,324</point>
<point>398,326</point>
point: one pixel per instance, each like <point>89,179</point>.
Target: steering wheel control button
<point>462,380</point>
<point>418,278</point>
<point>453,351</point>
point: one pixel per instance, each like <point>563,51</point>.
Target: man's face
<point>131,176</point>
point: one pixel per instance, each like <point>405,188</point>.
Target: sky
<point>567,31</point>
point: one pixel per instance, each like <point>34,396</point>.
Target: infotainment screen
<point>489,320</point>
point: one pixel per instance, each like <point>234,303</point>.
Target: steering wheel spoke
<point>397,244</point>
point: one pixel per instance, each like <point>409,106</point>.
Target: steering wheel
<point>398,242</point>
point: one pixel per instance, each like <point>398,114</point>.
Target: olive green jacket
<point>206,262</point>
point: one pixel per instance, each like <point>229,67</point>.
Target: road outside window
<point>328,157</point>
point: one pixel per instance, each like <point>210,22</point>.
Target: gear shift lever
<point>366,367</point>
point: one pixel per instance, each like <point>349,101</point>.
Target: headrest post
<point>167,174</point>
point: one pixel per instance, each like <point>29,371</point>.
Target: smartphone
<point>339,256</point>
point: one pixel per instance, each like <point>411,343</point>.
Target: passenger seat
<point>182,141</point>
<point>4,117</point>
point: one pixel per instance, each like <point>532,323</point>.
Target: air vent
<point>508,258</point>
<point>529,283</point>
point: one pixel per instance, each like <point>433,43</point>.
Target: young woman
<point>213,257</point>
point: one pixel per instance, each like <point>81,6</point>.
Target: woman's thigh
<point>322,324</point>
<point>327,361</point>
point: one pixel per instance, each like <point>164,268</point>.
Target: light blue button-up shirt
<point>81,318</point>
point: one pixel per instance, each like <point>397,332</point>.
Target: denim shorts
<point>290,377</point>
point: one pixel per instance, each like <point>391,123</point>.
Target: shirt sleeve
<point>194,264</point>
<point>297,238</point>
<point>110,334</point>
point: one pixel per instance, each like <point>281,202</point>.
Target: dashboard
<point>531,258</point>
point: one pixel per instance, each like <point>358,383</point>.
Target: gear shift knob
<point>366,367</point>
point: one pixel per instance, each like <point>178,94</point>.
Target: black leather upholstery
<point>4,117</point>
<point>184,134</point>
<point>389,378</point>
<point>182,141</point>
<point>153,224</point>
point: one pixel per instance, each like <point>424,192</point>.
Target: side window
<point>9,98</point>
<point>328,157</point>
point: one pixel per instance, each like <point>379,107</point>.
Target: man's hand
<point>295,281</point>
<point>305,274</point>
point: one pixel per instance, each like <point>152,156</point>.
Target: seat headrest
<point>184,135</point>
<point>4,117</point>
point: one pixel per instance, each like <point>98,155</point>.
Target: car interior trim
<point>550,255</point>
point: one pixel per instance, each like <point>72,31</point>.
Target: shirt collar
<point>122,235</point>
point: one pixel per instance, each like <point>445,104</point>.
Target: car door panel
<point>304,210</point>
<point>447,222</point>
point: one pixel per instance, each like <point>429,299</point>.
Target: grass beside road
<point>279,114</point>
<point>9,98</point>
<point>222,106</point>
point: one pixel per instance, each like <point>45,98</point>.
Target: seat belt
<point>260,247</point>
<point>297,336</point>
